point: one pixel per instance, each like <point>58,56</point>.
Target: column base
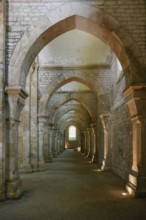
<point>14,189</point>
<point>25,168</point>
<point>105,165</point>
<point>88,154</point>
<point>136,185</point>
<point>41,166</point>
<point>93,160</point>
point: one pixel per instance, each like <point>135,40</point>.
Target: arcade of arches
<point>72,63</point>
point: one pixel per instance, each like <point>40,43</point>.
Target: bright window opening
<point>72,132</point>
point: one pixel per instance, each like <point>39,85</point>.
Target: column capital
<point>42,118</point>
<point>16,90</point>
<point>136,88</point>
<point>104,119</point>
<point>105,116</point>
<point>88,129</point>
<point>50,127</point>
<point>93,124</point>
<point>16,100</point>
<point>136,100</point>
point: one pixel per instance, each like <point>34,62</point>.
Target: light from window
<point>72,132</point>
<point>119,68</point>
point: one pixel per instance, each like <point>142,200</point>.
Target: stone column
<point>50,153</point>
<point>24,144</point>
<point>88,142</point>
<point>41,128</point>
<point>24,134</point>
<point>46,145</point>
<point>61,150</point>
<point>2,80</point>
<point>93,142</point>
<point>106,151</point>
<point>58,142</point>
<point>136,101</point>
<point>62,142</point>
<point>15,103</point>
<point>82,143</point>
<point>55,135</point>
<point>33,117</point>
<point>85,143</point>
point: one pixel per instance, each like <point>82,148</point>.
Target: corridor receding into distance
<point>72,188</point>
<point>73,109</point>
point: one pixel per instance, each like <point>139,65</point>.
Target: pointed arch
<point>68,17</point>
<point>60,81</point>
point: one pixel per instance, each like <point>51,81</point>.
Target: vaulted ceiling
<point>74,102</point>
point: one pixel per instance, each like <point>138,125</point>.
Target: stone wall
<point>121,139</point>
<point>95,78</point>
<point>21,14</point>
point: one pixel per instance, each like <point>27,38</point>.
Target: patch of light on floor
<point>78,149</point>
<point>124,194</point>
<point>97,170</point>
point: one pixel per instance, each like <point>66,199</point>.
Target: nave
<point>72,188</point>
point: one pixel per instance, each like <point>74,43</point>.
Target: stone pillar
<point>41,128</point>
<point>24,144</point>
<point>24,135</point>
<point>15,102</point>
<point>88,142</point>
<point>82,143</point>
<point>61,150</point>
<point>136,101</point>
<point>55,135</point>
<point>58,142</point>
<point>50,153</point>
<point>46,145</point>
<point>106,148</point>
<point>33,118</point>
<point>2,80</point>
<point>85,144</point>
<point>62,142</point>
<point>93,142</point>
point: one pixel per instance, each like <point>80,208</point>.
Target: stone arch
<point>63,101</point>
<point>60,81</point>
<point>68,17</point>
<point>79,115</point>
<point>68,109</point>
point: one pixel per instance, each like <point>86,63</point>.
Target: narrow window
<point>72,132</point>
